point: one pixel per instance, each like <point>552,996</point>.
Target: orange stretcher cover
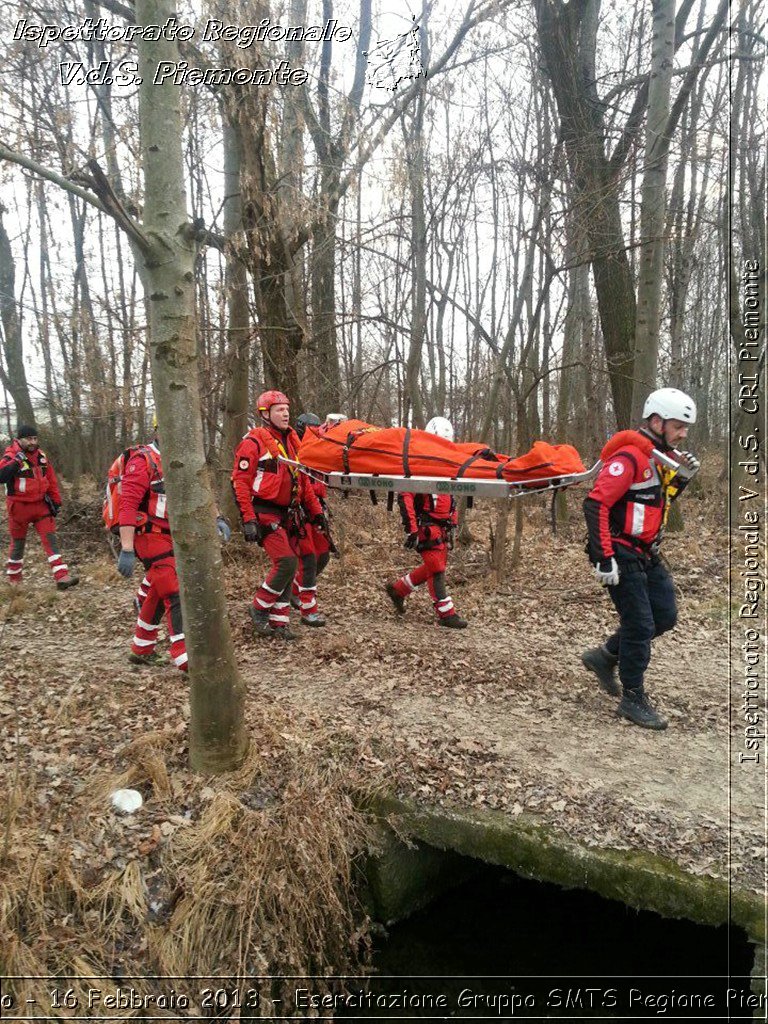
<point>357,447</point>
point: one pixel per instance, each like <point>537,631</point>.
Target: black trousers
<point>645,600</point>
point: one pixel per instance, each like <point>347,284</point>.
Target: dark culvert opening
<point>555,953</point>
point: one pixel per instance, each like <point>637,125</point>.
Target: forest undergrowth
<point>255,873</point>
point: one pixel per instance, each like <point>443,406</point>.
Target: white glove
<point>607,572</point>
<point>689,467</point>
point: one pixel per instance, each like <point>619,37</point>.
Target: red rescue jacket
<point>142,494</point>
<point>262,483</point>
<point>321,492</point>
<point>424,509</point>
<point>629,502</point>
<point>29,480</point>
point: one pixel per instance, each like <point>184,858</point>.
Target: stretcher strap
<point>349,443</point>
<point>406,445</point>
<point>465,465</point>
<point>345,452</point>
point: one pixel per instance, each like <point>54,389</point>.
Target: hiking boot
<point>396,599</point>
<point>635,706</point>
<point>153,660</point>
<point>313,619</point>
<point>603,664</point>
<point>453,622</point>
<point>67,582</point>
<point>282,633</point>
<point>260,617</point>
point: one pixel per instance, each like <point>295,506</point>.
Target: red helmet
<point>267,399</point>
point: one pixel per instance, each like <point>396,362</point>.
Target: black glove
<point>320,523</point>
<point>251,531</point>
<point>55,508</point>
<point>125,563</point>
<point>411,540</point>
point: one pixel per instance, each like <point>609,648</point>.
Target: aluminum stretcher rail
<point>462,487</point>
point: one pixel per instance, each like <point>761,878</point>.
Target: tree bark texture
<point>653,205</point>
<point>217,736</point>
<point>14,377</point>
<point>567,35</point>
<point>235,399</point>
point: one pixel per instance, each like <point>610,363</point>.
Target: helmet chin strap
<point>660,439</point>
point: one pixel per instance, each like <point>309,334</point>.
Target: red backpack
<point>110,510</point>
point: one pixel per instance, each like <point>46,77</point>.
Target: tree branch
<point>114,207</point>
<point>469,22</point>
<point>637,114</point>
<point>45,172</point>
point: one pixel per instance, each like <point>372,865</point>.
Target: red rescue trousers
<point>431,572</point>
<point>284,548</point>
<point>314,555</point>
<point>156,552</point>
<point>22,515</point>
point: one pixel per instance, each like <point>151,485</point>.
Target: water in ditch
<point>499,946</point>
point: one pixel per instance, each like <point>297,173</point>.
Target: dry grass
<point>248,875</point>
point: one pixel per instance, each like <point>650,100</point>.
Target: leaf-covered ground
<point>500,715</point>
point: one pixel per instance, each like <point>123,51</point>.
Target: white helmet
<point>440,426</point>
<point>670,404</point>
<point>333,419</point>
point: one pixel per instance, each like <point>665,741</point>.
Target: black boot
<point>282,633</point>
<point>260,618</point>
<point>67,582</point>
<point>396,599</point>
<point>153,660</point>
<point>635,706</point>
<point>453,622</point>
<point>603,664</point>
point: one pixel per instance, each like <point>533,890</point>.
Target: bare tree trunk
<point>568,38</point>
<point>43,317</point>
<point>331,151</point>
<point>415,143</point>
<point>218,740</point>
<point>235,399</point>
<point>14,377</point>
<point>653,205</point>
<point>324,337</point>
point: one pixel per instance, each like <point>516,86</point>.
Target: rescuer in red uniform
<point>429,520</point>
<point>145,532</point>
<point>275,503</point>
<point>311,562</point>
<point>32,499</point>
<point>626,512</point>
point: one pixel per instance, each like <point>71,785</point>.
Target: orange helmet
<point>267,399</point>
